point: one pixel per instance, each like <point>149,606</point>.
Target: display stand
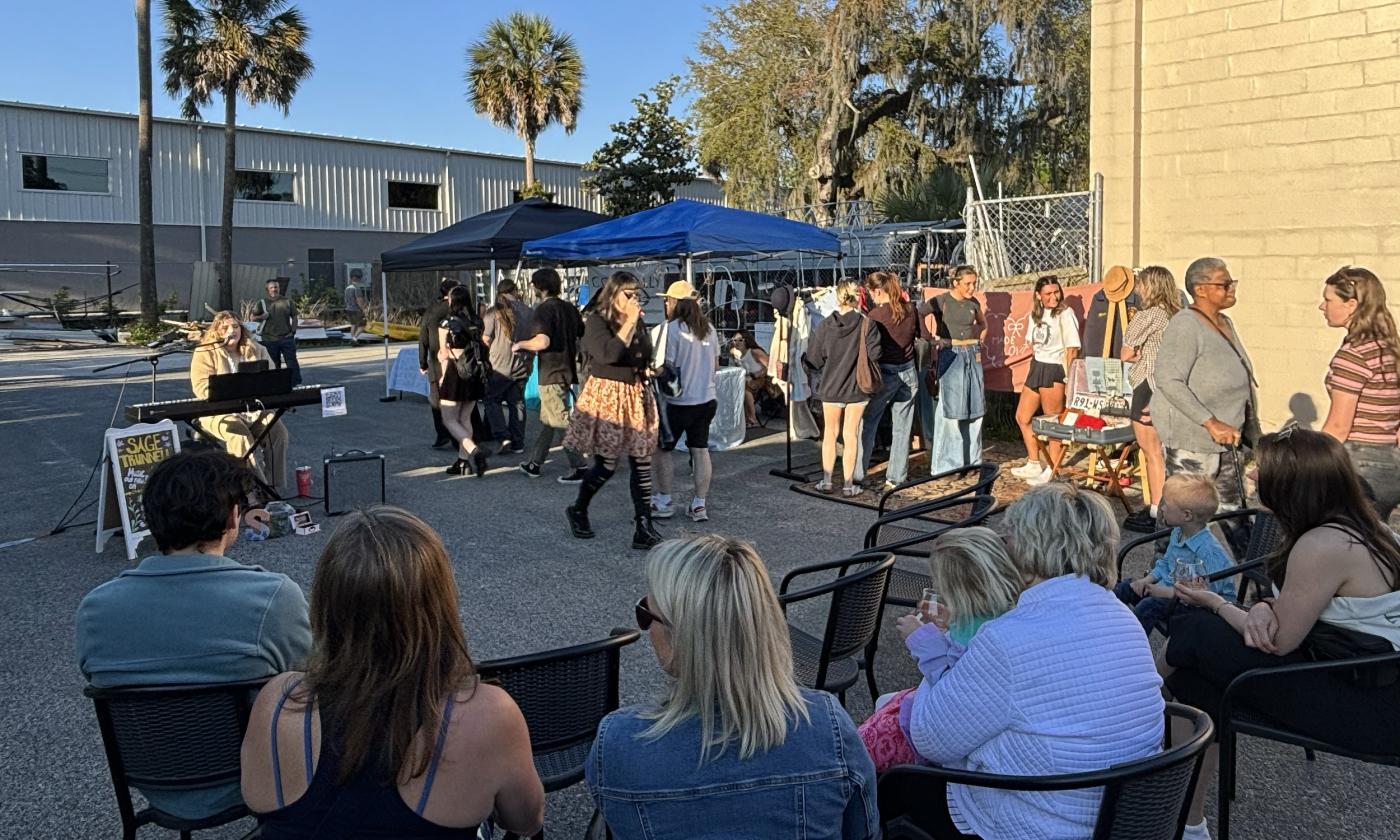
<point>1100,392</point>
<point>132,453</point>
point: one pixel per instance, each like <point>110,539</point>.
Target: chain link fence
<point>1011,241</point>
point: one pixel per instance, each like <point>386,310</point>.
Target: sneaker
<point>1141,521</point>
<point>698,514</point>
<point>517,449</point>
<point>575,477</point>
<point>1043,477</point>
<point>531,469</point>
<point>662,511</point>
<point>1030,469</point>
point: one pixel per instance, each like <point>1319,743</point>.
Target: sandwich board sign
<point>132,453</point>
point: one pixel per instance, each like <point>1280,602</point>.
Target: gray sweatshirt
<point>1200,377</point>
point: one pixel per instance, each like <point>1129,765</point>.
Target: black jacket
<point>834,350</point>
<point>608,357</point>
<point>428,334</point>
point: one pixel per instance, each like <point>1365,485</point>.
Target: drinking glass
<point>1190,573</point>
<point>928,605</point>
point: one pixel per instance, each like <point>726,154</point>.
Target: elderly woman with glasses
<point>1063,682</point>
<point>733,747</point>
<point>616,413</point>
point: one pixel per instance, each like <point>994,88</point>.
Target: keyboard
<point>182,410</point>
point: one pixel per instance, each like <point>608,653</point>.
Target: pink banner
<point>1006,346</point>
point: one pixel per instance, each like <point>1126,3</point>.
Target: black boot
<point>578,522</point>
<point>645,535</point>
<point>479,457</point>
<point>460,467</point>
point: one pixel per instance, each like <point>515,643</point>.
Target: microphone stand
<point>153,359</point>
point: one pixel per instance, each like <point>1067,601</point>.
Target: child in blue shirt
<point>1189,500</point>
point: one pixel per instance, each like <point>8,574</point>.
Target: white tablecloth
<point>405,376</point>
<point>727,429</point>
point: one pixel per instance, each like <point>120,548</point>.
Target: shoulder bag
<point>868,377</point>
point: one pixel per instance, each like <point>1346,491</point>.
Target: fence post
<point>1096,230</point>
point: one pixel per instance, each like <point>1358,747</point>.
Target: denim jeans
<point>898,395</point>
<point>928,401</point>
<point>956,443</point>
<point>1151,610</point>
<point>284,348</point>
<point>504,408</point>
<point>1379,464</point>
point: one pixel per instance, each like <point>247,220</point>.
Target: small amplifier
<point>354,479</point>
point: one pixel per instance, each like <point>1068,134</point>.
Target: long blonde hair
<point>848,293</point>
<point>731,655</point>
<point>214,335</point>
<point>973,574</point>
<point>1372,320</point>
<point>1157,287</point>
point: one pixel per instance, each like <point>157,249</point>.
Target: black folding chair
<point>857,603</point>
<point>1146,799</point>
<point>983,474</point>
<point>564,694</point>
<point>1237,719</point>
<point>173,738</point>
<point>909,531</point>
<point>1265,536</point>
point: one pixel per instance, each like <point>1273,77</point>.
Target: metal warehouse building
<point>307,205</point>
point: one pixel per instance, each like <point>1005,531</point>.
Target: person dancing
<point>616,412</point>
<point>459,337</point>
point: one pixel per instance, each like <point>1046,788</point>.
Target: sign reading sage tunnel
<point>132,452</point>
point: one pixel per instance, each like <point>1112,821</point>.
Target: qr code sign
<point>333,402</point>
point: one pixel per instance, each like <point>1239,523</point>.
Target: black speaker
<point>353,480</point>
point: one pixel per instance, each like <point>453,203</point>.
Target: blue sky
<point>385,69</point>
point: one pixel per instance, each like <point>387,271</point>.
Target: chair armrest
<point>987,474</point>
<point>882,560</point>
<point>982,507</point>
<point>839,565</point>
<point>1125,548</point>
<point>1237,569</point>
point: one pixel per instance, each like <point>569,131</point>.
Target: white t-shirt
<point>696,361</point>
<point>1052,334</point>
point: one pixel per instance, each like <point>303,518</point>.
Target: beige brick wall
<point>1264,132</point>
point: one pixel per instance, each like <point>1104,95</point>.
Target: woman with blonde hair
<point>1063,682</point>
<point>733,747</point>
<point>388,732</point>
<point>976,582</point>
<point>1363,382</point>
<point>222,348</point>
<point>835,350</point>
<point>1161,299</point>
<point>616,412</point>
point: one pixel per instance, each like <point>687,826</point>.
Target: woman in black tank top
<point>388,732</point>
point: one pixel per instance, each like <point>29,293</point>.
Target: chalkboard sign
<point>132,453</point>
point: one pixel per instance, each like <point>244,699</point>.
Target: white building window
<point>255,185</point>
<point>65,174</point>
<point>411,196</point>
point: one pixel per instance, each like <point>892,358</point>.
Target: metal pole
<point>1096,209</point>
<point>111,311</point>
<point>491,284</point>
<point>384,304</point>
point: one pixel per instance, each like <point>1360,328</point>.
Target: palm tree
<point>252,48</point>
<point>147,246</point>
<point>523,75</point>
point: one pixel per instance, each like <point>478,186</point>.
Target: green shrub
<point>144,333</point>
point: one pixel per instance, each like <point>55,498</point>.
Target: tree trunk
<point>529,161</point>
<point>147,245</point>
<point>226,213</point>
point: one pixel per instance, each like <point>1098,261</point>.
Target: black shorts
<point>1044,375</point>
<point>693,421</point>
<point>1142,395</point>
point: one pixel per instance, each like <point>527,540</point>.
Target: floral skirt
<point>613,419</point>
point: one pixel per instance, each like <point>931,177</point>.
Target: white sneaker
<point>662,511</point>
<point>1030,469</point>
<point>1042,478</point>
<point>1196,832</point>
<point>698,514</point>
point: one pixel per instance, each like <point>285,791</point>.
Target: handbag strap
<point>862,356</point>
<point>1233,348</point>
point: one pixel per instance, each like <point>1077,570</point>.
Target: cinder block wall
<point>1265,133</point>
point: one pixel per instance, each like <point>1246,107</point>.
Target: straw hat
<point>679,290</point>
<point>1118,283</point>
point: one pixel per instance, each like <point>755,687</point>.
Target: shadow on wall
<point>1302,410</point>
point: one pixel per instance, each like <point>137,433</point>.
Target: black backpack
<point>464,334</point>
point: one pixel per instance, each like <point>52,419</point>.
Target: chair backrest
<point>563,693</point>
<point>1145,799</point>
<point>857,602</point>
<point>987,472</point>
<point>915,525</point>
<point>174,737</point>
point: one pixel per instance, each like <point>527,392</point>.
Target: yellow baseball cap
<point>680,289</point>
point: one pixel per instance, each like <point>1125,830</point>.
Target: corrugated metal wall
<point>340,184</point>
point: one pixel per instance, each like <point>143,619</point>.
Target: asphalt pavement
<point>525,584</point>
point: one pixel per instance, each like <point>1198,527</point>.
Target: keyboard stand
<point>266,489</point>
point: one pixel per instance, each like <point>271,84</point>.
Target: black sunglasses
<point>645,616</point>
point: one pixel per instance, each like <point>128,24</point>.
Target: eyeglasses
<point>645,616</point>
<point>1230,286</point>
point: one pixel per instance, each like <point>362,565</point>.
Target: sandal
<point>823,486</point>
<point>852,490</point>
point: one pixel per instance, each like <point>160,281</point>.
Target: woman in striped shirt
<point>1363,381</point>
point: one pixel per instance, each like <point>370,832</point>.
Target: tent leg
<point>384,305</point>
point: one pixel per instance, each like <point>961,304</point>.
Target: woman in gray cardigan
<point>834,350</point>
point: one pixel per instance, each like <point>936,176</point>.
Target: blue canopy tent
<point>683,228</point>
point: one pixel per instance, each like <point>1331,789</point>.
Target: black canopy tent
<point>481,241</point>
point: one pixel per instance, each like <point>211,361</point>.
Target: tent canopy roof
<point>679,228</point>
<point>495,235</point>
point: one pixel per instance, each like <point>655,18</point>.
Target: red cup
<point>303,481</point>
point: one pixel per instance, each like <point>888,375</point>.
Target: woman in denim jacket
<point>734,748</point>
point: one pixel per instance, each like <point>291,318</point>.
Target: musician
<point>223,346</point>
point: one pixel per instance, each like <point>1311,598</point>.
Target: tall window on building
<point>67,174</point>
<point>320,271</point>
<point>256,185</point>
<point>413,196</point>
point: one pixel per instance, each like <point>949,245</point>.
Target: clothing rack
<point>805,472</point>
